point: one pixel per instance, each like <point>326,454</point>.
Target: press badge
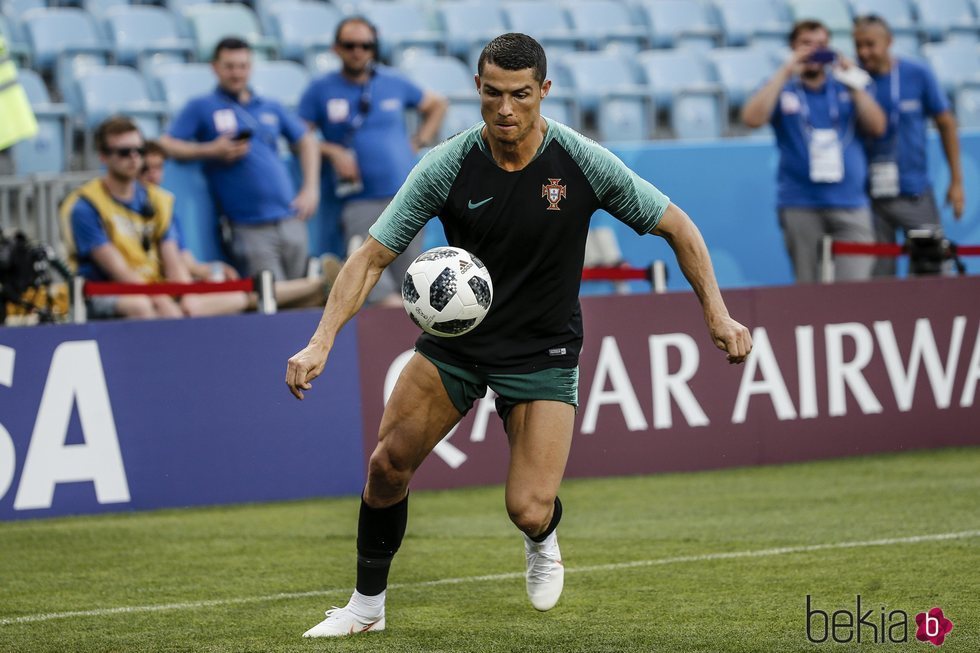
<point>826,157</point>
<point>883,179</point>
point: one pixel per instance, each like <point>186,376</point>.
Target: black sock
<point>555,518</point>
<point>379,534</point>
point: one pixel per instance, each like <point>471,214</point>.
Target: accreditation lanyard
<point>895,111</point>
<point>832,108</point>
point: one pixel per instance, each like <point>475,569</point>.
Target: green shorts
<point>466,386</point>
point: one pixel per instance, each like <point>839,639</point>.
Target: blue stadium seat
<point>939,19</point>
<point>176,83</point>
<point>741,71</point>
<point>907,45</point>
<point>749,21</point>
<point>835,14</point>
<point>401,25</point>
<point>321,63</point>
<point>599,23</point>
<point>48,151</point>
<point>303,28</point>
<point>469,25</point>
<point>696,115</point>
<point>58,36</point>
<point>137,32</point>
<point>10,30</point>
<point>607,85</point>
<point>284,81</point>
<point>110,90</point>
<point>679,23</point>
<point>20,7</point>
<point>968,106</point>
<point>682,84</point>
<point>451,78</point>
<point>209,23</point>
<point>98,8</point>
<point>954,62</point>
<point>897,13</point>
<point>546,21</point>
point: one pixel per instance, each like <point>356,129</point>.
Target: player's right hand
<point>305,366</point>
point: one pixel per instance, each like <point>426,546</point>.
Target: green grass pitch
<point>714,561</point>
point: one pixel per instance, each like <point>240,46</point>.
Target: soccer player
<point>518,190</point>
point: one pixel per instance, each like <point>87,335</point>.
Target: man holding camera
<point>360,113</point>
<point>908,92</point>
<point>820,112</point>
<point>236,133</point>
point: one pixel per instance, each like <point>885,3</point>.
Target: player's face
<point>233,68</point>
<point>871,43</point>
<point>355,46</point>
<point>510,101</point>
<point>152,169</point>
<point>123,155</point>
<point>814,39</point>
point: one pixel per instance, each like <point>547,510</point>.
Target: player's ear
<point>545,88</point>
<point>476,79</point>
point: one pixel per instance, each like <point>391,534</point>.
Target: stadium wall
<point>142,415</point>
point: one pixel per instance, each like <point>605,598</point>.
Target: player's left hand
<point>731,337</point>
<point>306,201</point>
<point>955,198</point>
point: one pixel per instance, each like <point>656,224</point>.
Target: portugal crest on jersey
<point>553,191</point>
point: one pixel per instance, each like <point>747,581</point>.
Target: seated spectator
<point>291,293</point>
<point>118,229</point>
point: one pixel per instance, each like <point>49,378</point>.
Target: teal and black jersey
<point>529,228</point>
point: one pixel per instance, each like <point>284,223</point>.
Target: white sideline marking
<point>759,553</point>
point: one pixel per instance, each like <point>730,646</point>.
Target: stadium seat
<point>751,21</point>
<point>284,81</point>
<point>939,19</point>
<point>955,63</point>
<point>401,25</point>
<point>897,13</point>
<point>99,8</point>
<point>176,83</point>
<point>209,23</point>
<point>58,36</point>
<point>20,7</point>
<point>606,85</point>
<point>48,151</point>
<point>11,33</point>
<point>741,71</point>
<point>968,106</point>
<point>115,89</point>
<point>469,25</point>
<point>143,31</point>
<point>679,23</point>
<point>835,14</point>
<point>682,84</point>
<point>546,21</point>
<point>451,78</point>
<point>599,23</point>
<point>321,63</point>
<point>907,45</point>
<point>303,28</point>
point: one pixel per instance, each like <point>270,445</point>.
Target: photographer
<point>820,112</point>
<point>117,229</point>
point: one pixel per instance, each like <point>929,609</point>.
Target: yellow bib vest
<point>17,121</point>
<point>137,237</point>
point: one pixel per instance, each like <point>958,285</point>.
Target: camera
<point>26,266</point>
<point>928,251</point>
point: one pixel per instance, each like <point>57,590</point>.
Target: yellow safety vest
<point>17,121</point>
<point>128,230</point>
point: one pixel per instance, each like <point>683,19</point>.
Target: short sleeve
<point>186,125</point>
<point>934,101</point>
<point>86,228</point>
<point>290,125</point>
<point>412,93</point>
<point>308,108</point>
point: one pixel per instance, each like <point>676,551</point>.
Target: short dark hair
<point>867,20</point>
<point>153,148</point>
<point>355,19</point>
<point>514,51</point>
<point>113,126</point>
<point>230,43</point>
<point>806,25</point>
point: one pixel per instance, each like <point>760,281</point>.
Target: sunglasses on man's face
<point>124,151</point>
<point>353,45</point>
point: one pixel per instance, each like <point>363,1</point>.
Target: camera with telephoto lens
<point>24,266</point>
<point>928,252</point>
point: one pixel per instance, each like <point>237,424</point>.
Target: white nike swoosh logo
<point>471,205</point>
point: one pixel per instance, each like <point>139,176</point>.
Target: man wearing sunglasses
<point>359,111</point>
<point>118,229</point>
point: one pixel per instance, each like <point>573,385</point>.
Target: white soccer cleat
<point>545,573</point>
<point>341,622</point>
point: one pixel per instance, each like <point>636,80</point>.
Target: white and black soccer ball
<point>447,291</point>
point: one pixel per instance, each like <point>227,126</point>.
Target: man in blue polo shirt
<point>820,115</point>
<point>360,113</point>
<point>908,92</point>
<point>236,133</point>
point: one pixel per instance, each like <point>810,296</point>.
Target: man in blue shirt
<point>236,133</point>
<point>359,111</point>
<point>820,114</point>
<point>908,92</point>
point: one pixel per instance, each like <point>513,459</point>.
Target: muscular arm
<point>685,239</point>
<point>946,124</point>
<point>358,276</point>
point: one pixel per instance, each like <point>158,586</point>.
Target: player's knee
<point>531,514</point>
<point>387,471</point>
